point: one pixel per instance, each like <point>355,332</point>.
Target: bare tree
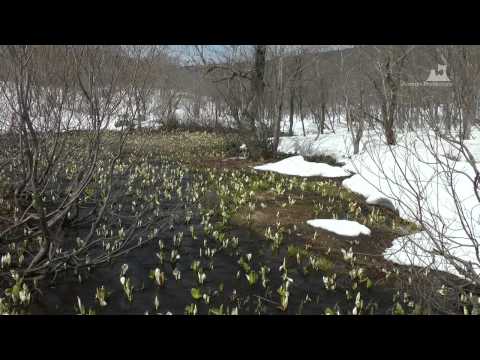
<point>63,99</point>
<point>433,178</point>
<point>242,74</point>
<point>388,64</point>
<point>280,91</point>
<point>465,72</point>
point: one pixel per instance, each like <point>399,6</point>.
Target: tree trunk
<point>447,118</point>
<point>139,115</point>
<point>216,116</point>
<point>468,118</point>
<point>258,89</point>
<point>390,135</point>
<point>276,127</point>
<point>356,145</point>
<point>468,112</point>
<point>196,110</point>
<point>258,85</point>
<point>300,109</point>
<point>292,104</point>
<point>278,121</point>
<point>322,118</point>
<point>387,122</point>
<point>389,119</point>
<point>303,123</point>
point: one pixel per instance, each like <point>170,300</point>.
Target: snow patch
<point>359,185</point>
<point>332,145</point>
<point>417,249</point>
<point>297,166</point>
<point>397,176</point>
<point>340,227</point>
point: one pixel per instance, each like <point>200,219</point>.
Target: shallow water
<point>60,297</point>
<point>175,296</point>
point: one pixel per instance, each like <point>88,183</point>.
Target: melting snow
<point>359,185</point>
<point>384,175</point>
<point>340,227</point>
<point>297,166</point>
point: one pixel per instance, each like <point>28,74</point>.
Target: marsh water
<point>61,296</point>
<point>226,284</point>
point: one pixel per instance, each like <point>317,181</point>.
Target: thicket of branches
<point>58,158</point>
<point>262,90</point>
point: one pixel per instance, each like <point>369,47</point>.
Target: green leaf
<point>196,293</point>
<point>369,284</point>
<point>398,310</point>
<point>330,311</point>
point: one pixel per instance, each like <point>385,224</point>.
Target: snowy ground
<point>310,126</point>
<point>340,227</point>
<point>297,166</point>
<point>420,187</point>
<point>397,177</point>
